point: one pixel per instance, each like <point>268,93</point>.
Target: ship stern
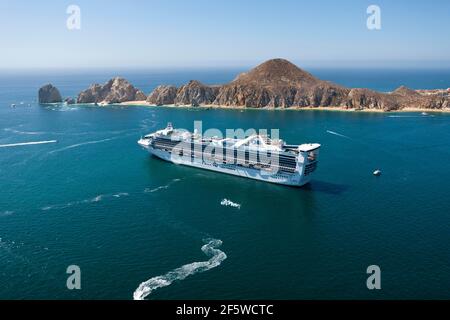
<point>307,162</point>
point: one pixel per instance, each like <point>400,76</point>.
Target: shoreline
<point>144,103</point>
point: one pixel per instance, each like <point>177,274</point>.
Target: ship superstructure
<point>256,156</point>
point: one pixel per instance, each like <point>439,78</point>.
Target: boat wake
<point>210,249</point>
<point>121,194</point>
<point>148,190</point>
<point>26,143</point>
<point>24,132</point>
<point>406,116</point>
<point>91,200</point>
<point>61,107</point>
<point>338,134</point>
<point>132,132</point>
<point>81,144</point>
<point>229,203</point>
<point>103,196</point>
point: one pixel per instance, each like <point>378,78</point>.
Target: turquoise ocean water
<point>96,200</point>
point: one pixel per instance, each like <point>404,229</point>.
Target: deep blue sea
<point>95,199</point>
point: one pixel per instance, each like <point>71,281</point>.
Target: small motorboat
<point>377,173</point>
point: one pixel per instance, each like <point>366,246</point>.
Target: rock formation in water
<point>116,90</point>
<point>49,94</point>
<point>278,83</point>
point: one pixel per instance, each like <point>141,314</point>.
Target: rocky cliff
<point>196,93</point>
<point>278,83</point>
<point>49,94</point>
<point>163,95</point>
<point>193,93</point>
<point>116,90</point>
<point>424,99</point>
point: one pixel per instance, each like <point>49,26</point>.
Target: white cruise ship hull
<point>296,179</point>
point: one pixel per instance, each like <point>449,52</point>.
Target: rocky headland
<point>279,84</point>
<point>276,84</point>
<point>116,90</point>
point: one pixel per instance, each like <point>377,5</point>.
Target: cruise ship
<point>256,157</point>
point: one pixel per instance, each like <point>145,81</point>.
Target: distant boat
<point>377,173</point>
<point>424,113</point>
<point>13,105</point>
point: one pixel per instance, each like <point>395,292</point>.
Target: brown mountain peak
<point>277,72</point>
<point>405,91</point>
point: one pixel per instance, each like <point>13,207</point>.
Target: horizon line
<point>221,68</point>
<point>248,64</point>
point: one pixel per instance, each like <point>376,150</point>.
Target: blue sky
<point>222,33</point>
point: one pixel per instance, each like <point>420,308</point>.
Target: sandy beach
<point>340,109</point>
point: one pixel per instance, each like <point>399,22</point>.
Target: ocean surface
<point>143,228</point>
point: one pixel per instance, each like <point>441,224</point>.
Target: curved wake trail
<point>91,200</point>
<point>406,116</point>
<point>148,190</point>
<point>26,143</point>
<point>24,132</point>
<point>337,134</point>
<point>81,144</point>
<point>209,249</point>
<point>89,142</point>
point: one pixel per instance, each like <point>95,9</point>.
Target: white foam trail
<point>121,194</point>
<point>404,116</point>
<point>209,249</point>
<point>98,198</point>
<point>26,143</point>
<point>62,107</point>
<point>148,190</point>
<point>23,132</point>
<point>337,134</point>
<point>103,196</point>
<point>229,203</point>
<point>81,144</point>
